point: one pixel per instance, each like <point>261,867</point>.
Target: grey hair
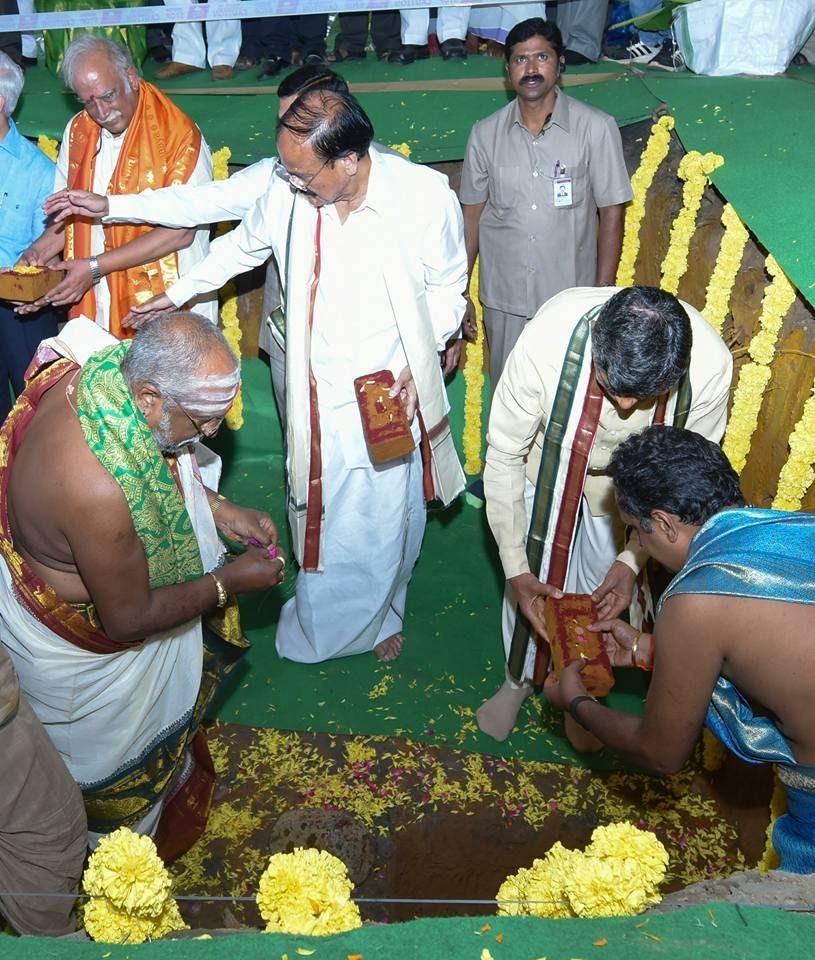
<point>171,352</point>
<point>86,43</point>
<point>11,83</point>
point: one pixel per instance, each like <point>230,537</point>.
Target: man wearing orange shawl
<point>128,138</point>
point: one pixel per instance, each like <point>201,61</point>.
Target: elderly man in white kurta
<point>128,137</point>
<point>373,264</point>
<point>593,366</point>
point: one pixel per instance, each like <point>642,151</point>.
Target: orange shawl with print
<point>160,149</point>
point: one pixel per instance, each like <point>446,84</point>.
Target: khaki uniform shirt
<point>529,248</point>
<point>524,397</point>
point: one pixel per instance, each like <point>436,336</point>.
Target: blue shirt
<point>26,179</point>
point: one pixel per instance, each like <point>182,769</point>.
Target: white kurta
<point>374,517</point>
<point>106,159</point>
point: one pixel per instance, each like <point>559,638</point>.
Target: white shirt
<point>430,231</point>
<point>109,147</point>
<point>209,202</point>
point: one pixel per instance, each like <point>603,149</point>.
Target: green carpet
<point>722,932</point>
<point>452,659</point>
<point>763,128</point>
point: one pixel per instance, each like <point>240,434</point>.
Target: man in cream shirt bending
<point>372,258</point>
<point>593,366</point>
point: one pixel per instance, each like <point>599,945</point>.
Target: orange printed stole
<point>34,593</point>
<point>160,149</point>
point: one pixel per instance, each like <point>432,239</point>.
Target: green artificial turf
<point>453,655</point>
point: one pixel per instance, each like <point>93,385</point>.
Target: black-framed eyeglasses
<point>299,184</point>
<point>208,428</point>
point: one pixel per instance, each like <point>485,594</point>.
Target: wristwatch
<point>572,708</point>
<point>96,273</point>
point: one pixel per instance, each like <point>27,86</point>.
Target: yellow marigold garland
<point>694,168</point>
<point>305,893</point>
<point>474,386</point>
<point>754,376</point>
<point>713,751</point>
<point>48,146</point>
<point>130,891</point>
<point>618,874</point>
<point>778,807</point>
<point>230,323</point>
<point>652,156</point>
<point>726,268</point>
<point>797,474</point>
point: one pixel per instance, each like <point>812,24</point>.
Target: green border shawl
<point>119,437</point>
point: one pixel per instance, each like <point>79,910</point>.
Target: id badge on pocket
<point>562,192</point>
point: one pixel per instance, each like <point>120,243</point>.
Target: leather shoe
<point>453,50</point>
<point>273,66</point>
<point>409,53</point>
<point>315,60</point>
<point>222,71</point>
<point>573,58</point>
<point>175,69</point>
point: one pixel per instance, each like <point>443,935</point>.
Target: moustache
<point>535,78</point>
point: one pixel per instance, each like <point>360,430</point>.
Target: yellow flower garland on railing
<point>230,322</point>
<point>652,156</point>
<point>754,376</point>
<point>694,168</point>
<point>48,146</point>
<point>726,268</point>
<point>797,474</point>
<point>129,891</point>
<point>307,893</point>
<point>474,386</point>
<point>618,874</point>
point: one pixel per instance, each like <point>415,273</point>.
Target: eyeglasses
<point>208,428</point>
<point>302,186</point>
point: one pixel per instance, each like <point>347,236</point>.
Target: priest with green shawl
<point>732,646</point>
<point>115,600</point>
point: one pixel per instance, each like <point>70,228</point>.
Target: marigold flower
<point>127,870</point>
<point>307,892</point>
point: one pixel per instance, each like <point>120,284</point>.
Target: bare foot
<point>497,716</point>
<point>389,649</point>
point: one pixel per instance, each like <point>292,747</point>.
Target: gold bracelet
<point>223,597</point>
<point>635,646</point>
<point>214,504</point>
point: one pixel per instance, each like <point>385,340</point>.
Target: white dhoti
<point>105,711</point>
<point>375,520</point>
<point>597,542</point>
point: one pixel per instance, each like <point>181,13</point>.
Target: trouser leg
<point>353,33</point>
<point>280,38</point>
<point>414,26</point>
<point>503,330</point>
<point>311,30</point>
<point>19,338</point>
<point>451,23</point>
<point>11,43</point>
<point>188,41</point>
<point>256,37</point>
<point>223,41</point>
<point>582,23</point>
<point>385,30</point>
